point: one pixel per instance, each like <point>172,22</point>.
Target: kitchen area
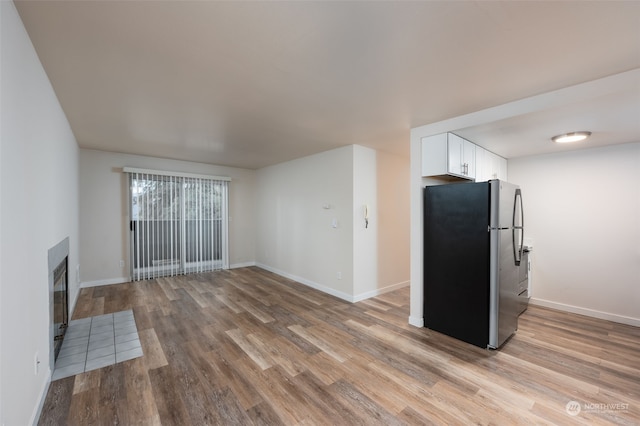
<point>577,200</point>
<point>476,265</point>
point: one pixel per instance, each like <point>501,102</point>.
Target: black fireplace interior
<point>60,305</point>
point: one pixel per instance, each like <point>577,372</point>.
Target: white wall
<point>297,202</point>
<point>583,215</point>
<point>39,208</point>
<point>365,239</point>
<point>299,199</point>
<point>391,221</point>
<point>104,215</point>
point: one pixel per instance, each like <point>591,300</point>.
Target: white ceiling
<point>249,84</point>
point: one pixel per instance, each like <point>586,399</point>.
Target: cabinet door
<point>455,156</point>
<point>469,159</point>
<point>480,170</point>
<point>494,166</point>
<point>434,155</point>
<point>489,158</point>
<point>502,168</point>
<point>448,154</point>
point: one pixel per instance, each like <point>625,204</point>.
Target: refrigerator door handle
<point>518,227</point>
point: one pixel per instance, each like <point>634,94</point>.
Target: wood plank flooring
<point>245,346</point>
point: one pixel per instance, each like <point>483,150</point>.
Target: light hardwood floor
<point>246,346</point>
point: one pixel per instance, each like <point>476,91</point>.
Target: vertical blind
<point>179,223</point>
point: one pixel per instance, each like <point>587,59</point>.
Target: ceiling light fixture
<point>571,137</point>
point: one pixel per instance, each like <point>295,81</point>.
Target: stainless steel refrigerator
<point>473,246</point>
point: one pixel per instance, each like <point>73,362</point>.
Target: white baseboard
<point>416,321</point>
<point>308,283</point>
<point>587,312</point>
<point>332,291</point>
<point>97,283</point>
<point>242,265</point>
<point>43,396</point>
<point>379,291</point>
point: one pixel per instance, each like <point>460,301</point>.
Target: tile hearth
<point>96,342</point>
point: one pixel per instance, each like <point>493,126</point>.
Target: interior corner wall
<point>381,247</point>
<point>581,215</point>
<point>392,221</point>
<point>39,208</point>
<point>104,211</point>
<point>299,201</point>
<point>304,220</point>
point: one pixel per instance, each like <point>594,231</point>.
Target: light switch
<point>334,223</point>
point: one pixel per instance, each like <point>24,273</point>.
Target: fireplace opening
<point>60,305</point>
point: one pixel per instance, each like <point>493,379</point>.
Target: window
<point>179,223</point>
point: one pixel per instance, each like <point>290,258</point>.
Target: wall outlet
<point>122,263</point>
<point>339,275</point>
<point>36,364</point>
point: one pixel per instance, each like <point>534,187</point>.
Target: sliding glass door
<point>178,224</point>
<point>204,225</point>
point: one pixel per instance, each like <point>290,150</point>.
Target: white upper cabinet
<point>489,165</point>
<point>496,167</point>
<point>502,168</point>
<point>481,170</point>
<point>448,154</point>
